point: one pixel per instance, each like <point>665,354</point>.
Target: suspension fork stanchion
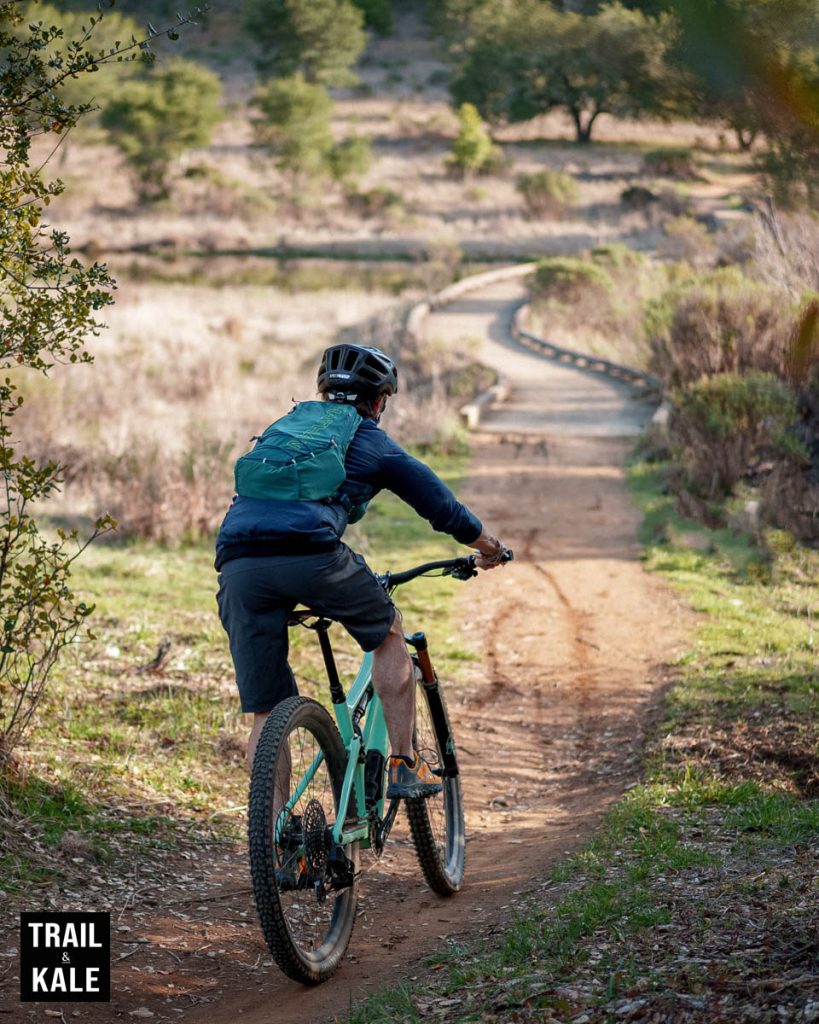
<point>421,644</point>
<point>436,703</point>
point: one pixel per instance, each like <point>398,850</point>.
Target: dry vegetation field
<point>204,346</point>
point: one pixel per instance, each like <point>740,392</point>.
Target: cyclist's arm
<point>422,489</point>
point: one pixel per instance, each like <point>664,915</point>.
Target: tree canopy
<point>113,28</point>
<point>49,302</point>
<point>755,65</point>
<point>321,39</point>
<point>535,59</point>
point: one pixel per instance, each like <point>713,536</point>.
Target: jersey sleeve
<point>422,489</point>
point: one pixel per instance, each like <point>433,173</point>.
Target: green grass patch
<point>117,748</point>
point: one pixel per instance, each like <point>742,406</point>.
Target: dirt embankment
<point>550,725</point>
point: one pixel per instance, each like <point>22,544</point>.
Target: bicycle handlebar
<point>458,568</point>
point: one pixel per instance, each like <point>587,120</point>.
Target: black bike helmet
<point>349,373</point>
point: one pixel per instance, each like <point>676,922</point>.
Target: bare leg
<point>395,685</point>
<point>258,724</point>
<point>281,785</point>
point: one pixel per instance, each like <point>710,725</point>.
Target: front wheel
<point>304,885</point>
<point>437,822</point>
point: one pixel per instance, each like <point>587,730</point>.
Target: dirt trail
<point>550,727</point>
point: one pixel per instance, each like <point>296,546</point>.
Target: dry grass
<point>183,377</point>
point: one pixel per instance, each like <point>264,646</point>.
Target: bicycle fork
<point>429,680</point>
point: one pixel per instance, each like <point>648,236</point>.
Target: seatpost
<point>336,689</point>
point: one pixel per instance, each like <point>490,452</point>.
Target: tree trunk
<point>745,138</point>
<point>583,132</point>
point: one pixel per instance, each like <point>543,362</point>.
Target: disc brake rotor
<point>316,839</point>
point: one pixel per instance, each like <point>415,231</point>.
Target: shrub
<point>376,202</point>
<point>720,323</point>
<point>790,499</point>
<point>571,280</point>
<point>670,162</point>
<point>617,255</point>
<point>320,39</point>
<point>720,422</point>
<point>636,197</point>
<point>167,496</point>
<point>790,177</point>
<point>687,239</point>
<point>295,125</point>
<point>473,148</point>
<point>548,193</point>
<point>350,159</point>
<point>378,15</point>
<point>155,119</point>
<point>675,202</point>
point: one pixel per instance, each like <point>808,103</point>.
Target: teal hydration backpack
<point>300,456</point>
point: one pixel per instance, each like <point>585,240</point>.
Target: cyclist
<point>272,555</point>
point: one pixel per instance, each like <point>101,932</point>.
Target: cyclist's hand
<point>490,551</point>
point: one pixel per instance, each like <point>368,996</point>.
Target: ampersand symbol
<point>66,958</point>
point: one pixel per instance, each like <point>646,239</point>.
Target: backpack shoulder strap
<point>349,420</point>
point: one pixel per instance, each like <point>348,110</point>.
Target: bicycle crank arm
<point>385,826</point>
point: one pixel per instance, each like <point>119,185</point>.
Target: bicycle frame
<point>362,702</point>
<point>349,709</point>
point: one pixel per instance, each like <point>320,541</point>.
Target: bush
<point>720,323</point>
<point>294,123</point>
<point>719,423</point>
<point>167,497</point>
<point>375,202</point>
<point>378,15</point>
<point>571,280</point>
<point>155,119</point>
<point>618,256</point>
<point>320,39</point>
<point>636,197</point>
<point>670,162</point>
<point>790,499</point>
<point>473,148</point>
<point>548,193</point>
<point>687,239</point>
<point>350,159</point>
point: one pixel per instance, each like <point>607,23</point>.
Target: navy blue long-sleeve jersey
<point>374,462</point>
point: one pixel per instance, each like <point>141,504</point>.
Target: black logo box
<point>65,958</point>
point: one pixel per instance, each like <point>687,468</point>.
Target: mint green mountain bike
<point>317,800</point>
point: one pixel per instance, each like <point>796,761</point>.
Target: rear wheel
<point>437,822</point>
<point>303,884</point>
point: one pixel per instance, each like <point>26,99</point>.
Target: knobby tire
<point>437,822</point>
<point>285,915</point>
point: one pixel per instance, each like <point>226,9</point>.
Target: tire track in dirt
<point>550,723</point>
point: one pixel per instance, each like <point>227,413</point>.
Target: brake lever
<point>464,570</point>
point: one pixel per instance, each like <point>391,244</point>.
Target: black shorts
<point>257,596</point>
